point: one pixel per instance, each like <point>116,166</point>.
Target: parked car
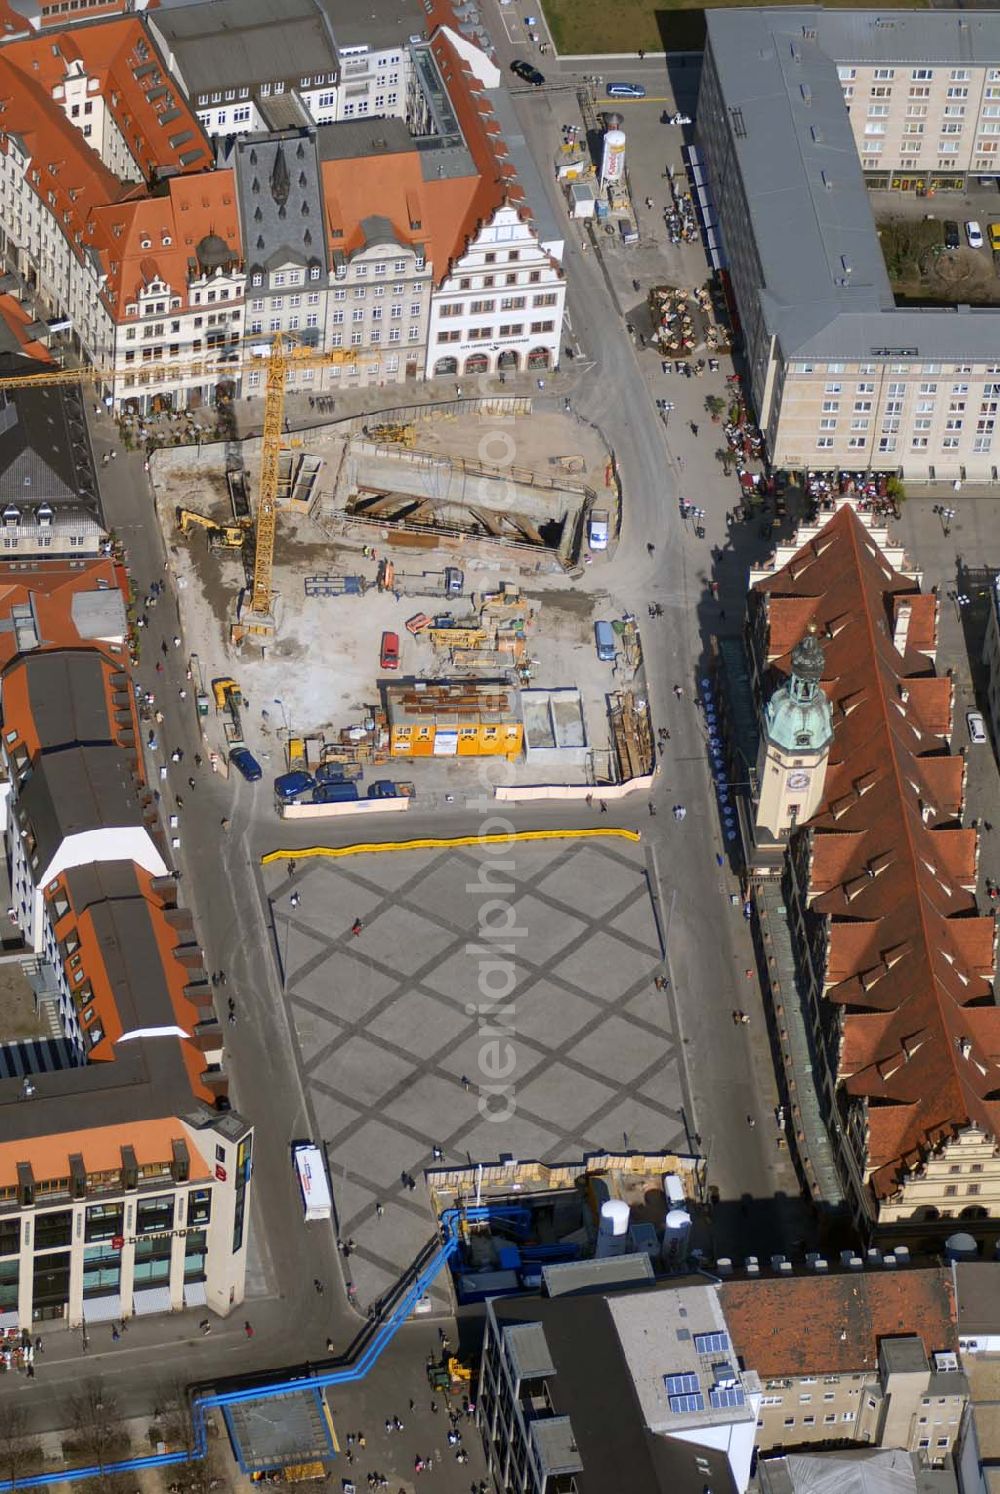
<point>977,727</point>
<point>389,652</point>
<point>604,638</point>
<point>334,793</point>
<point>244,762</point>
<point>626,91</point>
<point>974,234</point>
<point>952,237</point>
<point>993,229</point>
<point>383,788</point>
<point>597,528</point>
<point>290,786</point>
<point>527,72</point>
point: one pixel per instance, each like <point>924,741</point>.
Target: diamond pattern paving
<point>542,1037</point>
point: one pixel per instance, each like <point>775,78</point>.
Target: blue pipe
<point>379,1342</point>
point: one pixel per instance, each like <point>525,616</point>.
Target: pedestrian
<point>318,1285</point>
<point>179,801</point>
<point>604,806</point>
<point>39,1346</point>
<point>205,1327</point>
<point>678,691</point>
<point>437,1153</point>
<point>590,801</point>
<point>291,867</point>
<point>361,1441</point>
<point>379,1209</point>
<point>248,1328</point>
<point>751,1122</point>
<point>159,666</point>
<point>642,53</point>
<point>434,1408</point>
<point>987,825</point>
<point>694,427</point>
<point>329,1346</point>
<point>163,648</point>
<point>182,693</point>
<point>115,1335</point>
<point>650,547</point>
<point>465,1082</point>
<point>356,927</point>
<point>295,899</point>
<point>652,810</point>
<point>177,641</point>
<point>31,1371</point>
<point>722,614</point>
<point>192,784</point>
<point>197,759</point>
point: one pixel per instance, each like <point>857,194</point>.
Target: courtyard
<point>545,1039</point>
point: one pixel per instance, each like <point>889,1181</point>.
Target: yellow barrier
<point>433,843</point>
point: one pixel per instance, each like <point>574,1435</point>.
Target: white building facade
<point>500,306</point>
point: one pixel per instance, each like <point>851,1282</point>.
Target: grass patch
<point>588,27</point>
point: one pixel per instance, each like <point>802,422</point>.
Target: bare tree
<point>20,1453</point>
<point>177,1424</point>
<point>98,1435</point>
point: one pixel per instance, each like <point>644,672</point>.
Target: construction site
<point>412,593</point>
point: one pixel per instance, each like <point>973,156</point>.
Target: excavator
<point>220,536</point>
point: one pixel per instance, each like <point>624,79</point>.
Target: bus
<point>313,1184</point>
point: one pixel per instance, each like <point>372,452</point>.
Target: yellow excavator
<point>220,536</point>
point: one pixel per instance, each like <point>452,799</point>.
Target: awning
<point>150,1300</point>
<point>102,1309</point>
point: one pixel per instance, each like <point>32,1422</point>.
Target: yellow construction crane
<point>256,615</point>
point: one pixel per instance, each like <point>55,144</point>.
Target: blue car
<point>290,786</point>
<point>244,762</point>
<point>626,91</point>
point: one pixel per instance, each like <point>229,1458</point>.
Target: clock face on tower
<point>798,780</point>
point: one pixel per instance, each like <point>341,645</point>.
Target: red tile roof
<point>831,1325</point>
<point>908,954</point>
<point>18,321</point>
<point>48,588</point>
<point>120,54</point>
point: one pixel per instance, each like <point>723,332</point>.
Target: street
<point>723,1072</point>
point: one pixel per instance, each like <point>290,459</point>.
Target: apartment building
<point>627,1389</point>
<point>281,212</point>
<point>253,65</point>
<point>49,501</point>
<point>878,876</point>
<point>379,221</point>
<point>840,377</point>
<point>124,1173</point>
<point>499,301</point>
<point>860,1357</point>
<point>991,657</point>
<point>80,108</point>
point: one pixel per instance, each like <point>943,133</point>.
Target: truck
<point>313,1183</point>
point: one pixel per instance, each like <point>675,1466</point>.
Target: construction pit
<point>342,577</point>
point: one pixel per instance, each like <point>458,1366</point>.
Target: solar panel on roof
<point>680,1384</point>
<point>729,1395</point>
<point>682,1403</point>
<point>711,1343</point>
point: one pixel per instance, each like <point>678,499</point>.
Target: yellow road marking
<point>444,843</point>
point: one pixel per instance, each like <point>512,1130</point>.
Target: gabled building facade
<point>894,957</point>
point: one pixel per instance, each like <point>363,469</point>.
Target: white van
<point>313,1183</point>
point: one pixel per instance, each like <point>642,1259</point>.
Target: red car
<point>389,653</point>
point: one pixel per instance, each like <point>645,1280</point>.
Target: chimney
<point>901,631</point>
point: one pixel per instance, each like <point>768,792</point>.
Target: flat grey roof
<point>926,37</point>
<point>528,1351</point>
<point>377,24</point>
<point>148,1077</point>
<point>595,1275</point>
<point>73,789</point>
<point>592,1387</point>
<point>221,43</point>
<point>67,698</point>
<point>806,198</point>
<point>362,137</point>
<point>977,1286</point>
<point>904,1355</point>
<point>826,293</point>
<point>546,224</point>
<point>99,613</point>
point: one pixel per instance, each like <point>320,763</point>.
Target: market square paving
<point>402,1028</point>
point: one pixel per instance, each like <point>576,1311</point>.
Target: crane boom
<point>256,616</point>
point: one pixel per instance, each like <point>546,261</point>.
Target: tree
<point>98,1435</point>
<point>715,405</point>
<point>725,456</point>
<point>896,490</point>
<point>20,1453</point>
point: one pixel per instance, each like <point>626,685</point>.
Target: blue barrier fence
<point>349,1374</point>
